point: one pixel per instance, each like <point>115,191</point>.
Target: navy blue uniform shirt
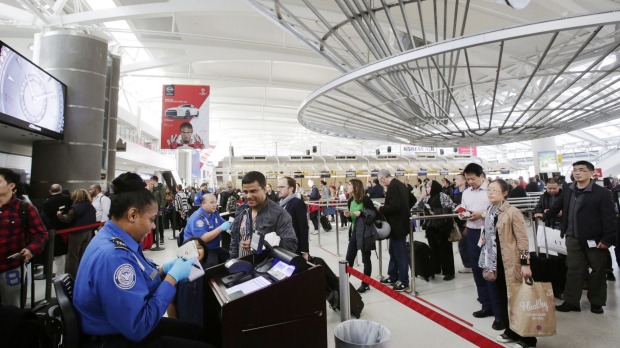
<point>118,290</point>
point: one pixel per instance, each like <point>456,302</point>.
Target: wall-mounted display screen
<point>30,98</point>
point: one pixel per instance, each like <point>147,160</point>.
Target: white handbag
<point>548,239</point>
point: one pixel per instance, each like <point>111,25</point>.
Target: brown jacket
<point>513,240</point>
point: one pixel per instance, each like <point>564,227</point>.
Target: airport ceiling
<point>352,76</point>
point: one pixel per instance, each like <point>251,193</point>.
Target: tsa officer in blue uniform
<point>120,295</point>
<point>207,224</point>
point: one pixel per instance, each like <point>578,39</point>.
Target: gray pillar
<point>114,78</point>
<point>79,61</point>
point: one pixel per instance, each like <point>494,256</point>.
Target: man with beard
<point>259,215</point>
<point>297,209</point>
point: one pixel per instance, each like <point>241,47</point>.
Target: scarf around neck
<point>284,201</point>
<point>488,253</point>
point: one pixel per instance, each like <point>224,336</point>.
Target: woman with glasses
<point>505,253</point>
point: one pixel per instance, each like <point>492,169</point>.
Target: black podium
<point>287,313</point>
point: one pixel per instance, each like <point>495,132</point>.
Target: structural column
<point>79,61</point>
<point>114,73</point>
<point>545,156</point>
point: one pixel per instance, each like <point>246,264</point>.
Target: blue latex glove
<point>226,226</point>
<point>180,270</point>
<point>168,265</point>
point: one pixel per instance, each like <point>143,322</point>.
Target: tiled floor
<point>457,297</point>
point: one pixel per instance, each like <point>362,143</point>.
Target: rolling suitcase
<point>332,290</point>
<point>423,262</point>
<point>325,224</point>
<point>549,268</point>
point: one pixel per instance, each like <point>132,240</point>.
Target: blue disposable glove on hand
<point>168,265</point>
<point>180,270</point>
<point>226,226</point>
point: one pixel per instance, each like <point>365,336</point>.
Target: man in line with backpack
<point>22,238</point>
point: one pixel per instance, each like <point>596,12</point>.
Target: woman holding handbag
<point>362,214</point>
<point>438,230</point>
<point>505,253</point>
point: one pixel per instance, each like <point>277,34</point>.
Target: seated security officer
<point>119,294</point>
<point>207,224</point>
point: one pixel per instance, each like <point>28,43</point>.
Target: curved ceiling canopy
<point>414,74</point>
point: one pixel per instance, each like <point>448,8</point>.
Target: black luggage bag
<point>327,226</point>
<point>551,269</point>
<point>332,290</point>
<point>423,262</point>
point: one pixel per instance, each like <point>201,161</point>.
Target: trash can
<point>361,333</point>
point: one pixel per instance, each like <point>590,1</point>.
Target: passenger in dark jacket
<point>297,210</point>
<point>362,214</point>
<point>547,199</point>
<point>396,211</point>
<point>589,228</point>
<point>532,186</point>
<point>81,213</point>
<point>438,230</point>
<point>376,191</point>
<point>517,191</point>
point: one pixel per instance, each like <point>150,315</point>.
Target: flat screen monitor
<point>30,98</point>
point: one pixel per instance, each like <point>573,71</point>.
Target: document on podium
<point>249,286</point>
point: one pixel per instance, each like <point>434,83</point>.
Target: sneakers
<point>315,232</point>
<point>400,287</point>
<point>465,270</point>
<point>567,307</point>
<point>363,288</point>
<point>387,281</point>
<point>596,309</point>
<point>521,344</point>
<point>503,338</point>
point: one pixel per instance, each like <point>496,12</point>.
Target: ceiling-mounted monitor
<point>30,98</point>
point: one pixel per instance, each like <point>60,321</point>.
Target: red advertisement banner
<point>185,117</point>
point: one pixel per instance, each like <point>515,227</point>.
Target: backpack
<point>38,328</point>
<point>231,204</point>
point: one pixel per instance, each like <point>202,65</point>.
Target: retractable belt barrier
<point>322,203</point>
<point>460,327</point>
<point>49,260</point>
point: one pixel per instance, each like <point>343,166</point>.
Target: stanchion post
<point>380,260</point>
<point>49,264</point>
<point>337,234</point>
<point>412,259</point>
<point>345,302</point>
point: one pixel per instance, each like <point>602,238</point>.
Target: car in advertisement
<point>182,111</point>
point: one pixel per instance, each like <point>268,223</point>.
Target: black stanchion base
<point>157,248</point>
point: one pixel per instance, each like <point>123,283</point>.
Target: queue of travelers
<point>109,259</point>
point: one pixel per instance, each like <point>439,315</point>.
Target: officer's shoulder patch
<point>119,244</point>
<point>125,277</point>
<point>200,223</point>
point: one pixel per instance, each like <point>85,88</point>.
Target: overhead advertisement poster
<point>185,117</point>
<point>548,161</point>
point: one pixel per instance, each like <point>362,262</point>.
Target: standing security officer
<point>207,224</point>
<point>120,295</point>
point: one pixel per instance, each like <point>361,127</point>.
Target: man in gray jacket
<point>261,215</point>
